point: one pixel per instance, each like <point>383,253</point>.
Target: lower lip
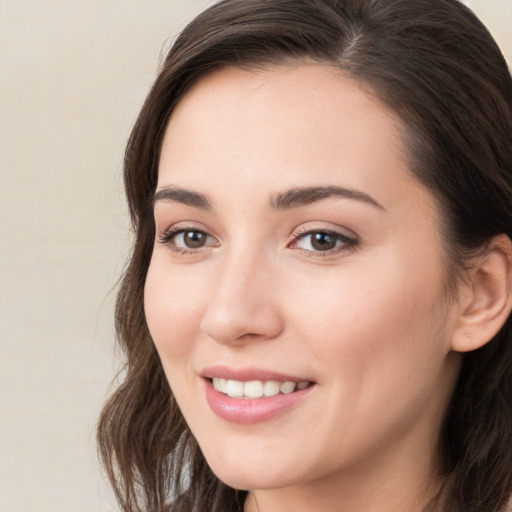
<point>255,410</point>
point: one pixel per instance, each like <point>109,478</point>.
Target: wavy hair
<point>438,68</point>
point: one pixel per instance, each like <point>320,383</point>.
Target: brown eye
<point>323,241</point>
<point>187,240</point>
<point>193,239</point>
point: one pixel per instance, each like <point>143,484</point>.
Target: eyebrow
<point>303,196</point>
<point>183,196</point>
<point>293,198</point>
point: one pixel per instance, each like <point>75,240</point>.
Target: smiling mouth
<point>254,389</point>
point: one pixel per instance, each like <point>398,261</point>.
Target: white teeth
<point>220,384</point>
<point>287,387</point>
<point>256,388</point>
<point>253,389</point>
<point>234,388</point>
<point>271,388</point>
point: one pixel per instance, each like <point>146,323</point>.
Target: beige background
<point>73,74</point>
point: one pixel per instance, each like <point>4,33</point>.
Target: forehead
<point>283,126</point>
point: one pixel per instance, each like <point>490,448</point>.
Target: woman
<point>316,315</point>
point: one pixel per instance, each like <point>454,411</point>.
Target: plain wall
<point>73,75</point>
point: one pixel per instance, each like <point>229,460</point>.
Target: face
<point>296,292</point>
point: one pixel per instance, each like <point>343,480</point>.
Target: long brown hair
<point>440,71</point>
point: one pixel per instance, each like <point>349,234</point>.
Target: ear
<point>486,298</point>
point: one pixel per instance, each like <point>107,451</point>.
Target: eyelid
<point>349,241</point>
<point>172,232</point>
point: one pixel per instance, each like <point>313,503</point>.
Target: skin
<point>371,324</point>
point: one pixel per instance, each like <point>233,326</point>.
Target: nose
<point>243,304</point>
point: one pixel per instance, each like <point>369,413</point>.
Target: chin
<point>239,478</point>
<point>241,473</point>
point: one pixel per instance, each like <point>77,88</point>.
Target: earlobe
<point>487,301</point>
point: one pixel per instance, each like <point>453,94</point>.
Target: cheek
<point>382,332</point>
<point>387,318</point>
<point>173,308</point>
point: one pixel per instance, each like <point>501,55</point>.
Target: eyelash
<point>169,236</point>
<point>348,243</point>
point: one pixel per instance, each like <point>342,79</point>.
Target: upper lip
<point>248,374</point>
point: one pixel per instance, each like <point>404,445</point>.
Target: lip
<point>248,374</point>
<point>255,410</point>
